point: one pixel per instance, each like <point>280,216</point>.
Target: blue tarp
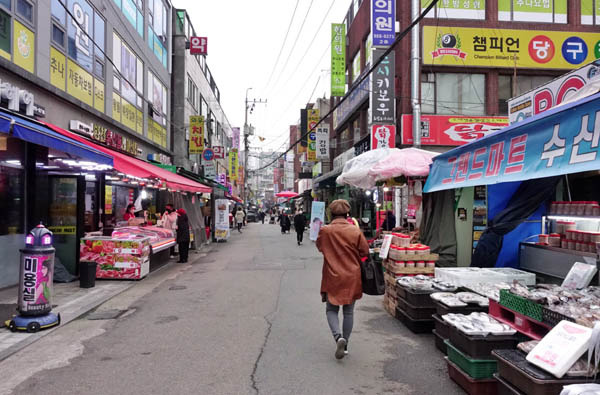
<point>559,141</point>
<point>36,133</point>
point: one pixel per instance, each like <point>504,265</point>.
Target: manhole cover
<point>106,314</point>
<point>177,287</point>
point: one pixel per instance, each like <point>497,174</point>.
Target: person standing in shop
<point>239,219</point>
<point>183,235</point>
<point>342,245</point>
<point>169,221</point>
<point>129,212</point>
<point>299,225</point>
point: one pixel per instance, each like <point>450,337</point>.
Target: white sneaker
<point>341,345</point>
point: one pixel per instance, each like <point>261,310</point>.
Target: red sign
<point>383,136</point>
<point>219,152</point>
<point>198,45</point>
<point>451,130</point>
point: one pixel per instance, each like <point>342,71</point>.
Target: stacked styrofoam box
<point>464,276</point>
<point>509,274</point>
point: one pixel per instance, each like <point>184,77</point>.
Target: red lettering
<point>542,101</point>
<point>451,161</point>
<point>495,159</point>
<point>477,164</point>
<point>463,167</point>
<point>516,154</point>
<point>570,85</point>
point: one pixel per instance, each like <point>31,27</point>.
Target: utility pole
<point>246,134</point>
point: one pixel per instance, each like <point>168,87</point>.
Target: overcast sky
<point>244,40</point>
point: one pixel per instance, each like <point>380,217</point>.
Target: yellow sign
<point>312,120</point>
<point>233,165</point>
<point>99,95</point>
<point>108,208</point>
<point>157,133</point>
<point>62,230</point>
<point>196,134</point>
<point>116,107</point>
<point>139,127</point>
<point>58,69</point>
<point>80,83</point>
<point>456,46</point>
<point>128,115</point>
<point>23,47</point>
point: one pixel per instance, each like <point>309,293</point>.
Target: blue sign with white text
<point>562,140</point>
<point>383,22</point>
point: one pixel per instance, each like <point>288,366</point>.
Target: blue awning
<point>562,140</point>
<point>37,133</point>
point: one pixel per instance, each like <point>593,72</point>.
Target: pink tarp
<point>411,162</point>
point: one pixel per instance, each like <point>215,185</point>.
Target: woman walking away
<point>342,246</point>
<point>183,235</point>
<point>239,219</point>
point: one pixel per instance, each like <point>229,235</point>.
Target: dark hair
<point>129,206</point>
<point>169,204</point>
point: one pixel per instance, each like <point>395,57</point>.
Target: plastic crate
<point>552,318</point>
<point>475,368</point>
<point>420,299</point>
<point>506,388</point>
<point>416,313</point>
<point>441,327</point>
<point>440,342</point>
<point>415,326</point>
<point>527,378</point>
<point>442,309</point>
<point>521,305</point>
<point>471,386</point>
<point>526,325</point>
<point>480,347</point>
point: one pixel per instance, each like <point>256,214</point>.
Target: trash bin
<point>87,274</point>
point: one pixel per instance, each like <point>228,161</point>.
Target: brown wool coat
<point>342,246</point>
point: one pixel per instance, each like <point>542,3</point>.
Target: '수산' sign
<point>563,140</point>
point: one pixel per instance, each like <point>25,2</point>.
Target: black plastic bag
<point>371,274</point>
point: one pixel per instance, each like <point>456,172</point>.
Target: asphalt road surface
<point>244,318</point>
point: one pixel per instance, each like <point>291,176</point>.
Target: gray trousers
<point>332,312</point>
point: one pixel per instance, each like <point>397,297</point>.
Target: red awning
<point>234,198</point>
<point>138,168</point>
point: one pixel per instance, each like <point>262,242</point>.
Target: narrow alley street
<point>246,318</point>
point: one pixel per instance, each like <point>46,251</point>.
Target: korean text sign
<point>196,134</point>
<point>338,59</point>
<point>383,22</point>
<point>323,141</point>
<point>233,165</point>
<point>198,45</point>
<point>454,46</point>
<point>382,89</point>
<point>383,136</point>
<point>235,140</point>
<point>222,219</point>
<point>561,141</point>
<point>451,129</point>
<point>313,119</point>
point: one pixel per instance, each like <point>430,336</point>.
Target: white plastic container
<point>510,274</point>
<point>560,348</point>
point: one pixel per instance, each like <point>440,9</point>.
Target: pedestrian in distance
<point>299,225</point>
<point>342,246</point>
<point>284,222</point>
<point>183,235</point>
<point>169,221</point>
<point>239,219</point>
<point>262,217</point>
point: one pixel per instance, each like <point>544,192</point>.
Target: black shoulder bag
<point>371,274</point>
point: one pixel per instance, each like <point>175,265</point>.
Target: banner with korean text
<point>235,138</point>
<point>313,119</point>
<point>323,142</point>
<point>562,140</point>
<point>382,97</point>
<point>383,22</point>
<point>196,134</point>
<point>233,165</point>
<point>338,59</point>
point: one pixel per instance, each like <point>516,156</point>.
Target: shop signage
<point>198,45</point>
<point>382,97</point>
<point>20,100</point>
<point>340,160</point>
<point>235,138</point>
<point>221,219</point>
<point>233,165</point>
<point>536,11</point>
<point>208,155</point>
<point>160,158</point>
<point>355,98</point>
<point>322,142</point>
<point>219,152</point>
<point>457,46</point>
<point>317,170</point>
<point>115,140</point>
<point>383,136</point>
<point>313,119</point>
<point>196,134</point>
<point>553,93</point>
<point>451,130</point>
<point>222,178</point>
<point>210,170</point>
<point>562,142</point>
<point>338,59</point>
<point>81,128</point>
<point>362,146</point>
<point>383,25</point>
<point>465,9</point>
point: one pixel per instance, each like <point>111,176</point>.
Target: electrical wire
<point>361,79</point>
<point>282,44</point>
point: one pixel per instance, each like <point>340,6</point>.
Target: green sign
<point>533,10</point>
<point>587,12</point>
<point>338,59</point>
<point>463,9</point>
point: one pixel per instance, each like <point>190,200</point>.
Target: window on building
<point>157,96</point>
<point>130,72</point>
<point>58,35</point>
<point>5,34</point>
<point>524,83</point>
<point>590,12</point>
<point>133,10</point>
<point>356,66</point>
<point>547,11</point>
<point>25,10</point>
<point>192,93</point>
<point>453,93</point>
<point>58,11</point>
<point>368,51</point>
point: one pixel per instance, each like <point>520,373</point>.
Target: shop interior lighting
<point>144,194</point>
<point>386,189</point>
<point>368,193</point>
<point>13,162</point>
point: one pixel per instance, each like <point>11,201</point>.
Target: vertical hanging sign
<point>235,140</point>
<point>196,134</point>
<point>382,99</point>
<point>313,119</point>
<point>338,59</point>
<point>233,165</point>
<point>323,142</point>
<point>383,26</point>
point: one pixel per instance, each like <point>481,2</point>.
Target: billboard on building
<point>382,97</point>
<point>451,130</point>
<point>338,59</point>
